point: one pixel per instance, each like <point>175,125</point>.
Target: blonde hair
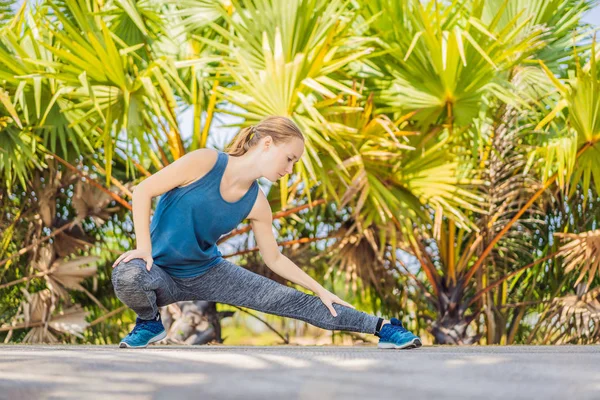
<point>281,129</point>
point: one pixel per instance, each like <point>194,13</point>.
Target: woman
<point>207,193</point>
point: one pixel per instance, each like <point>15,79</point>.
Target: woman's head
<point>276,140</point>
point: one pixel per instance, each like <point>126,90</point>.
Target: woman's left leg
<point>229,283</point>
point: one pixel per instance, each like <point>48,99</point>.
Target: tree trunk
<point>193,322</point>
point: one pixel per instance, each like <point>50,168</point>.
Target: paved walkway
<point>293,372</point>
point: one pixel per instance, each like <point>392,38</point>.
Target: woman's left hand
<point>329,298</point>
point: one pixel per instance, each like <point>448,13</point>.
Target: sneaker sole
<point>413,344</point>
<point>156,338</point>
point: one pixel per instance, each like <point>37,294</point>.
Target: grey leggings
<point>144,291</point>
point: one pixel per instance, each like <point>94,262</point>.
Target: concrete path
<point>293,372</point>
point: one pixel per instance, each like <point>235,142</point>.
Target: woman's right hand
<point>136,253</point>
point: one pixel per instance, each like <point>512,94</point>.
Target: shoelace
<point>139,326</point>
<point>400,328</point>
<point>135,329</point>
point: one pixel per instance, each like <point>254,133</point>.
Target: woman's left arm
<point>262,226</point>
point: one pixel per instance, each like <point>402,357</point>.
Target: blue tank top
<point>189,220</point>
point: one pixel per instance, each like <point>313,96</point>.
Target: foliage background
<point>450,178</point>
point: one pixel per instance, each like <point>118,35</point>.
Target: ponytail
<point>241,142</point>
<point>281,129</point>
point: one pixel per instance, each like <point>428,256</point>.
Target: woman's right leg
<point>144,291</point>
<point>229,283</point>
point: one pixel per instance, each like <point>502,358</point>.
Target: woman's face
<point>281,158</point>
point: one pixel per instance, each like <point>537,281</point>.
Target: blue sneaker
<point>144,333</point>
<point>395,336</point>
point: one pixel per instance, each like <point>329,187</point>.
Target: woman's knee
<point>129,275</point>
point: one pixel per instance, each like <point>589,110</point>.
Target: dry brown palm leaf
<point>37,312</point>
<point>578,315</point>
<point>46,190</point>
<point>62,275</point>
<point>359,255</point>
<point>70,321</point>
<point>47,185</point>
<point>38,335</point>
<point>581,251</point>
<point>70,274</point>
<point>37,306</point>
<point>46,257</point>
<point>582,303</point>
<point>72,242</point>
<point>90,201</point>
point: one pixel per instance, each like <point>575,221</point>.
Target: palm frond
<point>581,252</point>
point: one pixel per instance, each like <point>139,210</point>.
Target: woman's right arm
<point>179,173</point>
